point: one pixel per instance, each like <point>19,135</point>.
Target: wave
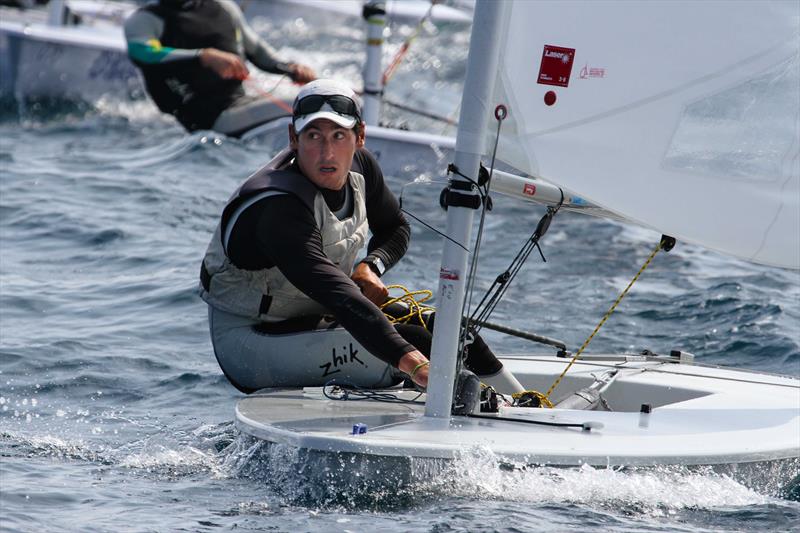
<point>351,481</point>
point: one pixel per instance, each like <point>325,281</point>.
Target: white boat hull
<point>700,416</point>
<point>66,62</point>
<point>348,11</point>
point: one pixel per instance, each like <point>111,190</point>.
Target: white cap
<point>326,87</point>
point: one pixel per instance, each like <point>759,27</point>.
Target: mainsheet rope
<point>398,57</point>
<point>665,243</point>
<point>254,85</point>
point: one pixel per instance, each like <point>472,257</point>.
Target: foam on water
<point>358,482</point>
<point>651,490</point>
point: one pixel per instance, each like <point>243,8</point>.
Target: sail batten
<point>665,113</point>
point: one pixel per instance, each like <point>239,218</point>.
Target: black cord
<point>435,230</point>
<point>500,285</point>
<point>453,169</point>
<point>352,392</point>
<point>584,426</point>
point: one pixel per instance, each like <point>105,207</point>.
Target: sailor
<point>192,55</point>
<point>283,259</point>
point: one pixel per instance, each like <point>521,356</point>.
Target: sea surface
<point>114,415</point>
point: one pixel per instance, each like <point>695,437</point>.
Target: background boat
<point>75,49</point>
<point>350,11</point>
<point>74,52</point>
<point>69,51</point>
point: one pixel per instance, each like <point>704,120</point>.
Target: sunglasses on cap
<point>314,102</point>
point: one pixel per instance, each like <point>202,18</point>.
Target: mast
<point>475,111</point>
<point>57,13</point>
<point>374,14</point>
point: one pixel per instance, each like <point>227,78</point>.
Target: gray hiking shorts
<point>253,359</point>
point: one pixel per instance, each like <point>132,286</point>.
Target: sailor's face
<point>325,152</point>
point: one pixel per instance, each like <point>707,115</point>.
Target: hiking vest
<point>266,294</point>
<point>193,93</point>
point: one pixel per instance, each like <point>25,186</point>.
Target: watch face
<point>379,266</point>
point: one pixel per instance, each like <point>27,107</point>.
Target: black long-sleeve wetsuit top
<point>280,231</point>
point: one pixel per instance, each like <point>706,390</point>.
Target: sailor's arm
<point>390,230</point>
<point>416,366</point>
<point>369,283</point>
<point>143,31</point>
<point>263,55</point>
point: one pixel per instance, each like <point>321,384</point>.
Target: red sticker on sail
<point>452,275</point>
<point>556,65</point>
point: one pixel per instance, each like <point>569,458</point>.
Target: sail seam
<point>795,152</point>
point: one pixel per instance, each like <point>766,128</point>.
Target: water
<point>115,417</point>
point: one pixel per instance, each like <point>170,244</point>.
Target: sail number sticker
<point>556,65</point>
<point>452,275</point>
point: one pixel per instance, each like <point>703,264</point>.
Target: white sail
<point>681,116</point>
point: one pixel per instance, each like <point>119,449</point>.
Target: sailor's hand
<point>301,73</point>
<point>225,64</point>
<point>416,366</point>
<point>370,284</point>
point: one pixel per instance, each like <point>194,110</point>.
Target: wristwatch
<point>376,265</point>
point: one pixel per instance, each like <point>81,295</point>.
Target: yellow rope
<point>603,321</point>
<point>415,307</point>
<point>520,398</point>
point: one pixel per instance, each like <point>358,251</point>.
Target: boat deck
<point>701,415</point>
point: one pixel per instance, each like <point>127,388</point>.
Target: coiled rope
<point>409,299</point>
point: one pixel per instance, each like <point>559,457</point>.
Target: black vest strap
<point>270,179</point>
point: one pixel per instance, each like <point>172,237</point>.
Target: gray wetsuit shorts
<point>254,355</point>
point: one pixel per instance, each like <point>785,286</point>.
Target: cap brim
<point>344,121</point>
